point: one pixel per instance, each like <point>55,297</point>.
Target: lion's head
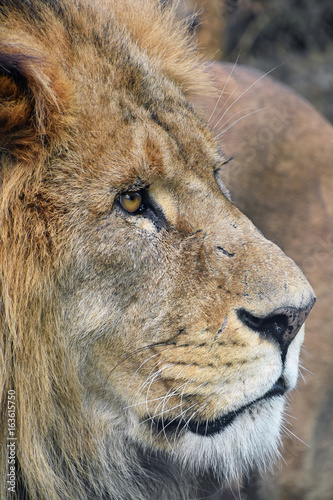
<point>150,331</point>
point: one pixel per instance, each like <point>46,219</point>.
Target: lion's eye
<point>131,201</point>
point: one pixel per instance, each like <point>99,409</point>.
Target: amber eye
<point>131,201</point>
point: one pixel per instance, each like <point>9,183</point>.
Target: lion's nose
<point>281,325</point>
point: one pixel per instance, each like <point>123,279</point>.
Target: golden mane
<point>38,41</point>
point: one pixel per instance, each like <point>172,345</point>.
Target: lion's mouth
<point>209,428</point>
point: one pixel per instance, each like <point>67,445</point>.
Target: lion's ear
<point>34,99</point>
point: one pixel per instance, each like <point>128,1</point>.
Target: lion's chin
<point>251,438</point>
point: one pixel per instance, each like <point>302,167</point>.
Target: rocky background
<point>293,36</point>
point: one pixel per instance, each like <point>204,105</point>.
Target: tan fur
<point>115,325</point>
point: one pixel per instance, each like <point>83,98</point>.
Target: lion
<point>150,333</point>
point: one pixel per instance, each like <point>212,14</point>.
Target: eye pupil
<point>131,201</point>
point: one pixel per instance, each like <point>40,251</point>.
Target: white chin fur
<point>253,438</point>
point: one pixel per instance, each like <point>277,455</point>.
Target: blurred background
<point>293,36</point>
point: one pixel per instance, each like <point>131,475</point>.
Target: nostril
<point>271,326</point>
<point>281,325</point>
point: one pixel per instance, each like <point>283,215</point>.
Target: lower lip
<point>221,423</point>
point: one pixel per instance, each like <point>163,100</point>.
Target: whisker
<point>231,489</point>
<point>245,91</point>
<point>183,412</point>
<point>222,108</point>
<point>166,397</point>
<point>142,364</point>
<point>136,351</point>
<point>288,431</point>
<point>142,403</point>
<point>221,94</point>
<point>147,394</point>
<point>195,413</point>
<point>238,120</point>
<point>173,390</point>
<point>182,395</point>
<point>289,416</point>
<point>178,417</point>
<point>304,369</point>
<point>162,412</point>
<point>237,113</point>
<point>163,425</point>
<point>144,384</point>
<point>159,372</point>
<point>154,355</point>
<point>150,379</point>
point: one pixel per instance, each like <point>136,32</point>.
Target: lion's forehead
<point>129,143</point>
<point>132,110</point>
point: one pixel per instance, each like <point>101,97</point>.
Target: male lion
<point>149,330</point>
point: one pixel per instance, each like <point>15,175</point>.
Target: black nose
<point>281,325</point>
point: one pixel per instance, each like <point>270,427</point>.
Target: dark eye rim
<point>148,209</point>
